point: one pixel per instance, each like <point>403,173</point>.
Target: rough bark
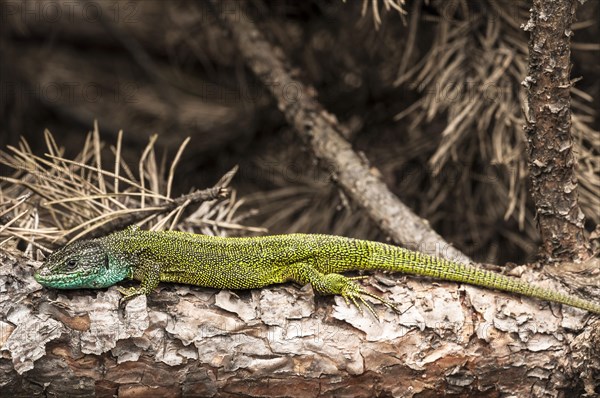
<point>548,129</point>
<point>185,341</point>
<point>325,136</point>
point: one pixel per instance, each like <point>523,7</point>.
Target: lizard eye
<point>71,264</point>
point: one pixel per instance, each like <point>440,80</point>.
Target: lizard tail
<point>411,262</point>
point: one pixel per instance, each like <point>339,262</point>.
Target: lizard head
<point>81,264</point>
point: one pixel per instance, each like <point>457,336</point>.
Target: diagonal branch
<point>325,135</point>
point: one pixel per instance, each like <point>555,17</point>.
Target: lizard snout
<point>42,272</point>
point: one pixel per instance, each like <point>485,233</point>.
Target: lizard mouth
<point>64,281</point>
<point>44,275</point>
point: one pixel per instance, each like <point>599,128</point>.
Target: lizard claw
<point>353,292</point>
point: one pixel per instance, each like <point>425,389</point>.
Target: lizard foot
<point>353,293</point>
<point>129,293</point>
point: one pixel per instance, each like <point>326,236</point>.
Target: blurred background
<point>430,91</point>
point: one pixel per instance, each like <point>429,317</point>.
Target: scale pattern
<point>247,263</point>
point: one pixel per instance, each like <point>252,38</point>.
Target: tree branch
<point>548,129</point>
<point>325,135</point>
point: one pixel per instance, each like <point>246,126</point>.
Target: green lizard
<point>247,263</point>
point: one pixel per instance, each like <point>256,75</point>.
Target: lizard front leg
<point>336,284</point>
<point>148,272</point>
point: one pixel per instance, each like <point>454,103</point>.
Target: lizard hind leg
<point>338,284</point>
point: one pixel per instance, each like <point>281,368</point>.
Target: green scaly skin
<point>248,263</point>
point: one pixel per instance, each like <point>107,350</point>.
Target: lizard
<point>255,262</point>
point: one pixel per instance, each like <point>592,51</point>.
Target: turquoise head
<point>80,265</point>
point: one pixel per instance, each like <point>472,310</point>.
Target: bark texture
<point>548,129</point>
<point>185,341</point>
